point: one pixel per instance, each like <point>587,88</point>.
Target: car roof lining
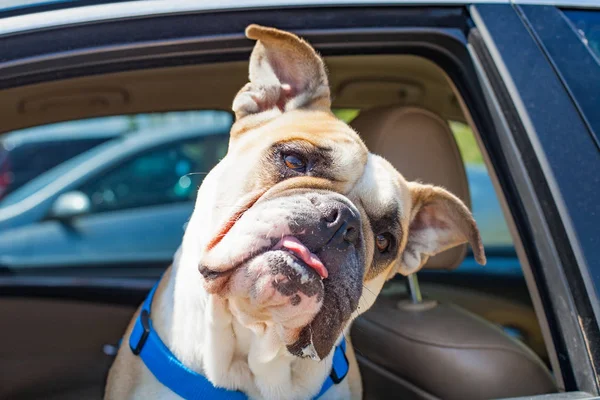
<point>360,81</point>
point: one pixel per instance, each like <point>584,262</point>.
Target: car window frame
<point>531,119</point>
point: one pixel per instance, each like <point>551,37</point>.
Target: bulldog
<point>293,235</point>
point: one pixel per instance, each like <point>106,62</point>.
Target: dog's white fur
<point>203,333</point>
<point>214,335</point>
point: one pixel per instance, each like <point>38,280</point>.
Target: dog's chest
<point>338,392</point>
<point>150,388</point>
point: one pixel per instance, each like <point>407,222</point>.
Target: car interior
<point>444,333</point>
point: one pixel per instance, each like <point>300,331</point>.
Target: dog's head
<point>299,218</point>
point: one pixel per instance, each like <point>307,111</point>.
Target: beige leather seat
<point>434,350</point>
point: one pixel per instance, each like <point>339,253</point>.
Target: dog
<point>293,234</point>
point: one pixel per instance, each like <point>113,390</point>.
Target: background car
<point>23,157</point>
<point>27,153</point>
<point>506,91</point>
<point>128,199</point>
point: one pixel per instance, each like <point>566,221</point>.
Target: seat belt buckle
<point>145,321</point>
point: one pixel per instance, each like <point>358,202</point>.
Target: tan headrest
<point>421,146</point>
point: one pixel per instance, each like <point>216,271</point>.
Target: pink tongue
<point>295,246</point>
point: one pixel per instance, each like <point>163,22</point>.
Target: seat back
<point>442,352</point>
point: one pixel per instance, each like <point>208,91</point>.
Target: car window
<point>32,159</point>
<point>484,202</point>
<point>166,175</point>
<point>587,24</point>
<point>35,185</point>
<point>66,145</point>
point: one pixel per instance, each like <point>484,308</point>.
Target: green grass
<point>346,114</point>
<point>466,143</point>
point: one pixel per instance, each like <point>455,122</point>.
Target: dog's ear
<point>286,73</point>
<point>439,221</point>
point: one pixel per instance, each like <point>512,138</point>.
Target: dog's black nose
<point>340,225</point>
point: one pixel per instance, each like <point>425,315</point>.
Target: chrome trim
<point>561,3</point>
<point>136,9</point>
<point>125,10</point>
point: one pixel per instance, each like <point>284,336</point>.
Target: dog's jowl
<point>293,235</point>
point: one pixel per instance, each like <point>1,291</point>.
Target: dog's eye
<point>383,242</point>
<point>294,162</point>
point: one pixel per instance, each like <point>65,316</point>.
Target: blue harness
<point>145,342</point>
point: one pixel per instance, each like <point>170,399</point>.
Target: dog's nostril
<point>351,234</point>
<point>331,215</point>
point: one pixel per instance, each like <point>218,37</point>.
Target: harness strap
<point>145,343</point>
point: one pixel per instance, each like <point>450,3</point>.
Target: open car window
<point>124,200</point>
<point>103,138</point>
<point>486,208</point>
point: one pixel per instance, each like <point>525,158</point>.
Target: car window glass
<point>587,24</point>
<point>166,175</point>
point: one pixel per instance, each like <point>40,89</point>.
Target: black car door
<point>540,83</point>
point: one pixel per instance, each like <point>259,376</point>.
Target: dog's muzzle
<point>328,231</point>
<point>297,260</point>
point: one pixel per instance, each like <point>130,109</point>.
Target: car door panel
<point>549,158</point>
<point>53,349</point>
<point>576,65</point>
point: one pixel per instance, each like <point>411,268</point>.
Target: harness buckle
<point>334,375</point>
<point>145,320</point>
